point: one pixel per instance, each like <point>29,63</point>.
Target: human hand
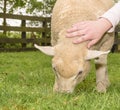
<point>91,31</point>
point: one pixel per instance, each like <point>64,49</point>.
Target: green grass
<point>26,83</point>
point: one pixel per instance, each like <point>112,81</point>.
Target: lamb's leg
<point>102,74</point>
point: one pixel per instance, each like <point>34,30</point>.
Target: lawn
<point>26,83</point>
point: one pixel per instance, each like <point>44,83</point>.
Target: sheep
<point>71,62</point>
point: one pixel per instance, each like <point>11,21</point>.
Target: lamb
<point>71,62</point>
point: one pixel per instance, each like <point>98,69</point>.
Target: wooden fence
<point>44,30</point>
<point>24,41</point>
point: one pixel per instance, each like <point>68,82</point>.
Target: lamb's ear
<point>48,50</point>
<point>91,54</point>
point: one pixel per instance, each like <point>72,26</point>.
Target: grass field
<point>26,82</point>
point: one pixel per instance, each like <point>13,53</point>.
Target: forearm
<point>113,15</point>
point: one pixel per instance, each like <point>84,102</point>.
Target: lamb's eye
<point>54,69</point>
<point>79,73</point>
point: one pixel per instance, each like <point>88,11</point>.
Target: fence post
<point>23,34</point>
<point>115,43</point>
<point>44,33</point>
<point>4,16</point>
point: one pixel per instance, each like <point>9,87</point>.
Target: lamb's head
<point>70,64</point>
<point>69,67</point>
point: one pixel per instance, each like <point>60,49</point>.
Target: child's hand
<point>89,30</point>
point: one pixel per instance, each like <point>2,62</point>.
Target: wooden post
<point>23,34</point>
<point>44,33</point>
<point>4,19</point>
<point>116,44</point>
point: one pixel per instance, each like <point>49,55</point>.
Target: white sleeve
<point>113,15</point>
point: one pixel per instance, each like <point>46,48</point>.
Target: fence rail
<point>12,41</point>
<point>25,29</point>
<point>18,40</point>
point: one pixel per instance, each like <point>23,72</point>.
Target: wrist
<point>106,24</point>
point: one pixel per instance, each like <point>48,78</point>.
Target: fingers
<point>83,31</point>
<point>76,33</point>
<point>85,38</point>
<point>81,23</point>
<point>81,39</point>
<point>76,27</point>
